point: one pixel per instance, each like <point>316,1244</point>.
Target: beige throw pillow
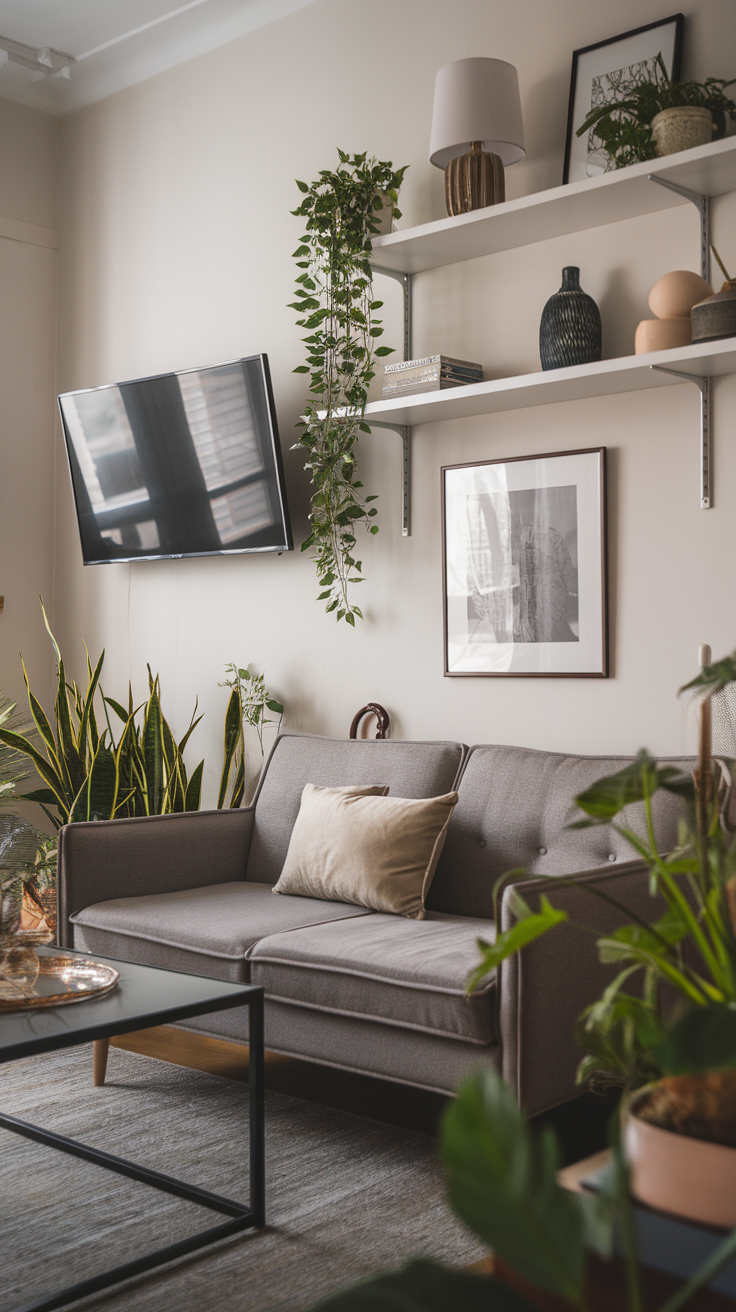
<point>373,851</point>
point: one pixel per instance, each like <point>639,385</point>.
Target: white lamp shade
<point>477,100</point>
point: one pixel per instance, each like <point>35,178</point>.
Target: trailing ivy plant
<point>334,303</point>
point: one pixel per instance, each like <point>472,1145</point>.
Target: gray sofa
<point>361,990</point>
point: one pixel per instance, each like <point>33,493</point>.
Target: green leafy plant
<point>622,129</point>
<point>27,873</point>
<point>501,1179</point>
<point>335,305</point>
<point>688,952</point>
<point>152,776</point>
<point>85,773</point>
<point>502,1182</point>
<point>13,768</point>
<point>249,704</point>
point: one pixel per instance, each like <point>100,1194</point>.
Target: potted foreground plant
<point>335,303</point>
<point>659,117</point>
<point>670,1044</point>
<point>670,1048</point>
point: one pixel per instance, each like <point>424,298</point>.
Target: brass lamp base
<point>474,180</point>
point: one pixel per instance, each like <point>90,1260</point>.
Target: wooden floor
<point>581,1125</point>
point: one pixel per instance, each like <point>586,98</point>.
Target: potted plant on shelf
<point>343,212</point>
<point>659,117</point>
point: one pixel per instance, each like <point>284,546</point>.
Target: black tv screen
<point>181,464</point>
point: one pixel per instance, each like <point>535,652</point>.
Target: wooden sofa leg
<point>100,1048</point>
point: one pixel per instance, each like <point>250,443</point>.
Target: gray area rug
<point>347,1197</point>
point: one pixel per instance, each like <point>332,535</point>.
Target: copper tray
<point>29,981</point>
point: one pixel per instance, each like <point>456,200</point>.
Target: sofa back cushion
<point>515,804</point>
<point>409,769</point>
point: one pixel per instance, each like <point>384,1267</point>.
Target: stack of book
<point>428,375</point>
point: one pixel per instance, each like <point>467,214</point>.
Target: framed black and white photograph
<point>525,566</point>
<point>604,73</point>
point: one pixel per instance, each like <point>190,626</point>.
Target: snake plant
<point>86,774</point>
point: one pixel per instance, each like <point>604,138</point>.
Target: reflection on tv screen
<point>183,464</point>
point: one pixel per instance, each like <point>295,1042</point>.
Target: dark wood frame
<point>677,19</point>
<point>532,674</point>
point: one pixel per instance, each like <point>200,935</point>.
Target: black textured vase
<point>570,331</point>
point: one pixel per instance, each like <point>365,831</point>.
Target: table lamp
<point>476,130</point>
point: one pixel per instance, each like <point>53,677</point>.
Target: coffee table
<point>145,996</point>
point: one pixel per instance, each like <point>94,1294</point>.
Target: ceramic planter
<point>674,1173</point>
<point>661,335</point>
<point>681,128</point>
<point>715,317</point>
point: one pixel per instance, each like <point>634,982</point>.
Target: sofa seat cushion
<point>219,924</point>
<point>384,968</point>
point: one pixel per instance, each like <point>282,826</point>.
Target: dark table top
<point>144,996</point>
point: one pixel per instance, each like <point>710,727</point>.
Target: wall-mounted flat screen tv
<point>181,464</point>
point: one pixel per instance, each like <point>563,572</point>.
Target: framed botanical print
<point>524,564</point>
<point>605,73</point>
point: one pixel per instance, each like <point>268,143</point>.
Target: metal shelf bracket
<point>405,435</point>
<point>706,468</point>
<point>702,205</point>
<point>405,279</point>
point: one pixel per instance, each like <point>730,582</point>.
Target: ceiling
<point>58,55</point>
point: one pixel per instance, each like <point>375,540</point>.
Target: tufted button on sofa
<point>363,990</point>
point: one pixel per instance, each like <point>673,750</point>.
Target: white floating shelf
<point>623,194</point>
<point>629,373</point>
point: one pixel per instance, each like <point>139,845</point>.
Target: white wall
<point>28,441</point>
<point>175,250</point>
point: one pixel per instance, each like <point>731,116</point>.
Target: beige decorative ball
<point>674,296</point>
<point>662,335</point>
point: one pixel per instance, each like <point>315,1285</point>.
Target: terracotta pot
<point>675,294</point>
<point>681,128</point>
<point>661,335</point>
<point>674,1173</point>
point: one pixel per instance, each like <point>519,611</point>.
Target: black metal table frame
<point>243,1216</point>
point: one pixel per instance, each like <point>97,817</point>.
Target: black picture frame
<point>525,567</point>
<point>574,119</point>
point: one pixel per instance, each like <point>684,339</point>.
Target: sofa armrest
<point>544,988</point>
<point>104,859</point>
